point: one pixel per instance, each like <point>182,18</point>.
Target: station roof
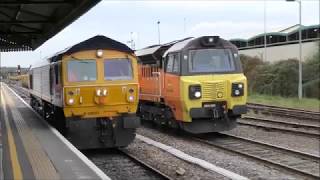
<point>27,24</point>
<point>291,28</point>
<point>267,34</point>
<point>316,26</point>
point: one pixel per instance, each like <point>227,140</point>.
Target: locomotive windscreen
<point>82,70</point>
<point>117,69</point>
<point>211,61</point>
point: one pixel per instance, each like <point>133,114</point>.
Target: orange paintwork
<point>150,80</point>
<point>156,84</point>
<point>172,96</point>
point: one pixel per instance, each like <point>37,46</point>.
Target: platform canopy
<point>26,24</point>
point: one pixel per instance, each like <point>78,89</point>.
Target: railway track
<point>22,92</point>
<point>116,163</point>
<point>292,161</point>
<point>120,164</point>
<point>295,162</point>
<point>300,128</point>
<point>284,112</point>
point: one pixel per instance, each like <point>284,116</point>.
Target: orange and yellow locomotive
<point>195,84</point>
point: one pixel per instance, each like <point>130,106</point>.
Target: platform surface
<point>31,149</point>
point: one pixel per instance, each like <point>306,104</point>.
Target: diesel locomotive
<point>195,84</point>
<point>89,92</point>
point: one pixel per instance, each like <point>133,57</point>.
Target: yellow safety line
<point>17,174</point>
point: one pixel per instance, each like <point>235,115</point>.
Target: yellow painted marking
<point>17,174</point>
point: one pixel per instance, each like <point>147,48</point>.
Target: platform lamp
<point>158,32</point>
<point>300,50</point>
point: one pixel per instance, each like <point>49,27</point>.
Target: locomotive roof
<point>94,43</point>
<point>147,50</point>
<point>154,54</point>
<point>152,49</point>
<point>178,46</point>
<point>203,41</point>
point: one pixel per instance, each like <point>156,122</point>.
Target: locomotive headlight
<point>131,98</point>
<point>195,92</point>
<point>99,53</point>
<point>237,92</point>
<point>70,101</point>
<point>98,92</point>
<point>104,92</point>
<point>237,89</point>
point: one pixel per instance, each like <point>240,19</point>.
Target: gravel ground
<point>118,166</point>
<point>288,140</point>
<point>169,164</point>
<point>235,163</point>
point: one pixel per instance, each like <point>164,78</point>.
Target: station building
<point>283,44</point>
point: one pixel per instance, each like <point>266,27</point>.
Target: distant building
<point>11,71</point>
<point>283,44</point>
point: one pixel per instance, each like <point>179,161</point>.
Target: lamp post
<point>132,44</point>
<point>300,50</point>
<point>265,30</point>
<point>184,26</point>
<point>158,32</point>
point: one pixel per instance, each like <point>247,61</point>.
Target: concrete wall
<point>286,51</point>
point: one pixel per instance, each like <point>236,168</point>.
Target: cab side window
<point>31,80</point>
<point>169,63</point>
<point>176,63</point>
<point>173,63</point>
<point>57,72</point>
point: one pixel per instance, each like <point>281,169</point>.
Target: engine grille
<point>210,90</point>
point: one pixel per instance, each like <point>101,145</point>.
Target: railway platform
<point>32,149</point>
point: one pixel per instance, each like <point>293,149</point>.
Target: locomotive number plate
<point>209,105</point>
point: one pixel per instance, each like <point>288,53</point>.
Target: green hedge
<point>281,77</point>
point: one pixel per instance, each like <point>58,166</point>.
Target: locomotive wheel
<point>31,102</point>
<point>45,110</point>
<point>172,123</point>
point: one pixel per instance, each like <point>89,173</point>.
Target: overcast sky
<point>178,19</point>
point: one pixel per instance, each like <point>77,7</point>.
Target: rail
<point>285,112</point>
<point>312,129</point>
<point>304,164</point>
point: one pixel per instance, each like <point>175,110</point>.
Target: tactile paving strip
<point>41,164</point>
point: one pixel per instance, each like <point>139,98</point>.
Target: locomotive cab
<point>90,93</point>
<point>202,85</point>
<point>105,86</point>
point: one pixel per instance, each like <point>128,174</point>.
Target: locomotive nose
<point>214,89</point>
<point>115,95</point>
